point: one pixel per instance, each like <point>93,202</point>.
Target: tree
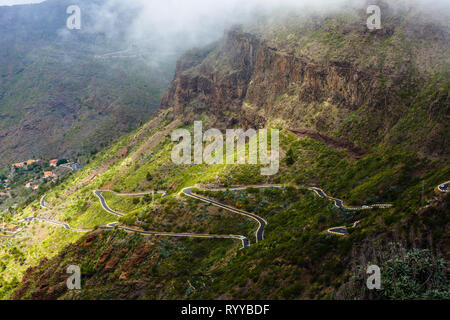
<point>290,157</point>
<point>61,161</point>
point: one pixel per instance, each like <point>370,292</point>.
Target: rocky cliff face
<point>214,80</point>
<point>252,79</point>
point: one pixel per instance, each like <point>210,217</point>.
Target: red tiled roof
<point>48,173</point>
<point>19,164</point>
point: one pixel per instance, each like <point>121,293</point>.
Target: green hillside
<point>361,159</point>
<point>62,93</point>
<point>295,249</point>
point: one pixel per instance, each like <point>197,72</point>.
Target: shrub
<point>416,275</point>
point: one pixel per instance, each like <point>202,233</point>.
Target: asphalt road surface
<point>341,230</point>
<point>43,204</point>
<point>98,193</point>
<point>261,222</point>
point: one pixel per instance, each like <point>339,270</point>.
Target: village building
<point>48,174</point>
<point>19,165</point>
<point>53,162</point>
<point>31,161</point>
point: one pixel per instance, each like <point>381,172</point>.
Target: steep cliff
<point>328,74</point>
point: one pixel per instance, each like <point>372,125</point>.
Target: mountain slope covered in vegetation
<point>62,93</point>
<point>341,124</point>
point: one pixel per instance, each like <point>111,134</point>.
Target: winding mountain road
<point>261,222</point>
<point>340,203</point>
<point>259,233</point>
<point>341,230</point>
<point>444,187</point>
<point>104,204</point>
<point>58,223</point>
<point>42,202</point>
<point>99,195</point>
<point>244,240</point>
<point>117,54</point>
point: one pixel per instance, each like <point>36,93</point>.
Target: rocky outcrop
<point>215,80</point>
<point>246,79</point>
<point>245,69</point>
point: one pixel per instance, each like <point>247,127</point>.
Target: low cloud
<point>197,22</point>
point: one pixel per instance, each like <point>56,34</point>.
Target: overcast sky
<point>12,2</point>
<point>201,21</point>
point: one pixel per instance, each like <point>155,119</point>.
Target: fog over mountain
<point>175,23</point>
<point>178,23</point>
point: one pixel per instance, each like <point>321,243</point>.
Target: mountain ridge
<point>256,78</point>
<point>57,98</point>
